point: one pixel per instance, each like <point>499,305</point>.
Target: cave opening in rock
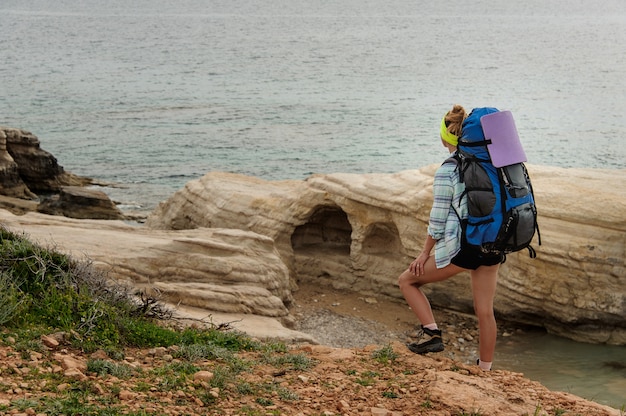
<point>382,239</point>
<point>321,247</point>
<point>327,229</point>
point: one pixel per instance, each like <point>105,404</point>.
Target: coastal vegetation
<point>44,292</point>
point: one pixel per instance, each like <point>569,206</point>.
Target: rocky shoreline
<point>344,319</point>
<point>346,231</point>
<point>236,246</point>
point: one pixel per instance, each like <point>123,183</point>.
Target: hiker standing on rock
<point>451,256</point>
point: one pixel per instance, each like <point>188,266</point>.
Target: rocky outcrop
<point>27,172</point>
<point>38,170</point>
<point>359,232</point>
<point>11,184</point>
<point>82,203</point>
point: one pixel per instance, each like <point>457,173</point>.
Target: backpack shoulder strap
<point>454,159</point>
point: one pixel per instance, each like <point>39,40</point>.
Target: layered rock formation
<point>38,171</point>
<point>82,203</point>
<point>206,271</point>
<point>11,183</point>
<point>359,232</point>
<point>26,171</point>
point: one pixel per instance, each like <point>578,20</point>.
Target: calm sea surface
<point>152,93</point>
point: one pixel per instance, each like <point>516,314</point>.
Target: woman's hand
<point>417,265</point>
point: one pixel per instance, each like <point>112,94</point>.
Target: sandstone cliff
<point>359,232</point>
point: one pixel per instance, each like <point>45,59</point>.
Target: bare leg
<point>484,280</point>
<point>410,284</point>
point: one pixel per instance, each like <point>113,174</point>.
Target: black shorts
<point>472,258</point>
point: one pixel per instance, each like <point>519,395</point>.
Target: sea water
<point>151,94</point>
<point>595,372</point>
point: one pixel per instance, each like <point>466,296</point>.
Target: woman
<point>451,256</point>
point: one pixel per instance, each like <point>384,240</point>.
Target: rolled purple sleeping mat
<point>505,148</point>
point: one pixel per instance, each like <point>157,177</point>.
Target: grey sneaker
<point>432,342</point>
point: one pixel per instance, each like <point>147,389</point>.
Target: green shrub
<point>104,367</point>
<point>10,299</point>
<point>145,333</point>
<point>41,287</point>
<point>230,340</point>
<point>209,351</point>
<point>291,361</point>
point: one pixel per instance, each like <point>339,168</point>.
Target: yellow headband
<point>446,135</point>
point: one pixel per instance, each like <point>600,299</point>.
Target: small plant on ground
<point>427,404</point>
<point>367,378</point>
<point>472,413</point>
<point>104,367</point>
<point>385,355</point>
<point>264,401</point>
<point>390,394</point>
<point>289,361</point>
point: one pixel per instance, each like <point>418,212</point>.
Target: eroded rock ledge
<point>359,232</point>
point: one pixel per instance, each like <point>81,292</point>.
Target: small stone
<point>378,411</point>
<point>125,395</point>
<point>68,362</point>
<point>159,351</point>
<point>75,373</point>
<point>99,355</point>
<point>97,389</point>
<point>49,341</point>
<point>343,406</point>
<point>203,376</point>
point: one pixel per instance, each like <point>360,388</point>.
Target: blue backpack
<point>502,217</point>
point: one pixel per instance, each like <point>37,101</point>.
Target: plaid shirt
<point>444,225</point>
